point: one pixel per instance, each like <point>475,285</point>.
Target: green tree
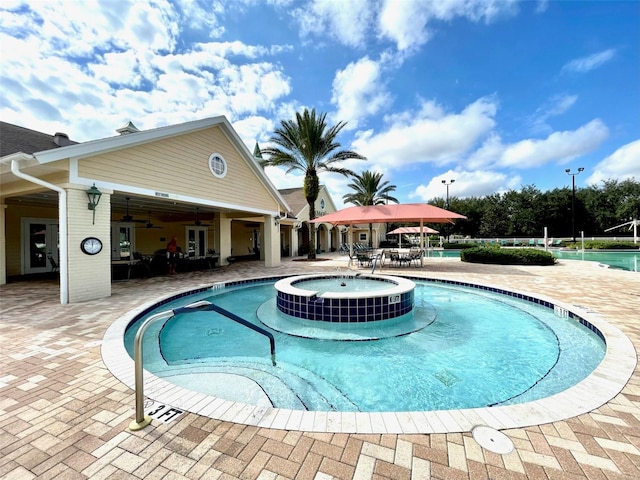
<point>367,190</point>
<point>308,145</point>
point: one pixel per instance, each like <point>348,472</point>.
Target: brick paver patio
<point>63,415</point>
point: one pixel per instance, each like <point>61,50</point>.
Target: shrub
<point>603,245</point>
<point>504,256</point>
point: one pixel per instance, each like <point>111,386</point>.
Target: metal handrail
<point>141,420</point>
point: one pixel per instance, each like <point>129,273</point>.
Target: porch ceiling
<point>166,210</point>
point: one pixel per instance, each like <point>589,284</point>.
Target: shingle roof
<point>294,198</point>
<point>14,138</point>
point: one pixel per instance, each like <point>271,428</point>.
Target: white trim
<point>104,145</point>
<point>62,227</point>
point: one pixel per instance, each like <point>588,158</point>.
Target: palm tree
<point>369,191</point>
<point>307,144</point>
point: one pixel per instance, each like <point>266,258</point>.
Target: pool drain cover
<point>492,440</point>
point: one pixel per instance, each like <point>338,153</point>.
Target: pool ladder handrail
<point>374,262</point>
<point>141,420</point>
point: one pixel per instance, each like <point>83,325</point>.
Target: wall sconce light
<point>94,198</point>
<point>276,220</point>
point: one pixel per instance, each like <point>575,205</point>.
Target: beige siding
<point>181,165</point>
<point>89,275</point>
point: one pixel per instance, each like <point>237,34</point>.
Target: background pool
<point>623,260</point>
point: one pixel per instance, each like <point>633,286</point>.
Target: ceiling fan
<point>148,223</point>
<point>197,222</point>
<point>128,218</point>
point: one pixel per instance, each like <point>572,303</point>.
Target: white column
<point>271,245</point>
<point>3,246</point>
<point>224,239</point>
<point>89,276</point>
<point>293,242</point>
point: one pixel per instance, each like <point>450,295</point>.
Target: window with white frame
<point>217,165</point>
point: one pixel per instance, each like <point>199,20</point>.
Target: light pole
<point>573,200</point>
<point>444,182</point>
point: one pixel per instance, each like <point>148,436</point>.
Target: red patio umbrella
<point>400,212</point>
<point>400,230</point>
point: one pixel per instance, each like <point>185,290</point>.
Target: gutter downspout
<point>62,228</point>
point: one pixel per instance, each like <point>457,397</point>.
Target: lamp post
<point>444,182</point>
<point>573,200</point>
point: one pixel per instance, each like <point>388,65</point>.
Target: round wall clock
<point>91,245</point>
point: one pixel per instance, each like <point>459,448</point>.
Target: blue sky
<point>493,94</point>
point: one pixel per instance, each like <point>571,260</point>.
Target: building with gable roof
<point>195,181</point>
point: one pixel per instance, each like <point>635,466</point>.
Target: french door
<point>40,245</point>
<point>123,241</point>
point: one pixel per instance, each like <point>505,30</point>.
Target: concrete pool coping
<point>604,383</point>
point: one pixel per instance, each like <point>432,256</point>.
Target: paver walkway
<point>63,415</point>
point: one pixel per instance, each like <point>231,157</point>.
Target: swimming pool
<point>483,349</point>
<point>625,260</point>
<point>604,383</point>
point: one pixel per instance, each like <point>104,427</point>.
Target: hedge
<point>507,256</point>
<point>603,245</point>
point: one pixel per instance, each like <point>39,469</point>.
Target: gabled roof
<point>295,199</point>
<point>14,139</point>
<point>45,152</point>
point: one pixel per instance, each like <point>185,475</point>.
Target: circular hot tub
<point>345,299</point>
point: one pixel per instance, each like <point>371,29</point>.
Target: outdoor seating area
<point>151,265</point>
<point>389,257</point>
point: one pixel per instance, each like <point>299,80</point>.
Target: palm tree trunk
<point>311,188</point>
<point>312,232</point>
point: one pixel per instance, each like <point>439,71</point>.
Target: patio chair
<point>394,257</point>
<point>532,242</point>
<point>364,259</point>
<point>54,264</point>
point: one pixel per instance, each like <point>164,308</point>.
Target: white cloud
<point>359,92</point>
<point>559,147</point>
<point>591,62</point>
<point>622,164</point>
<point>466,184</point>
<point>557,105</point>
<point>346,22</point>
<point>126,68</point>
<point>408,28</point>
<point>541,6</point>
<point>428,136</point>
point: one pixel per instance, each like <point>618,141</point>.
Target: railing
<point>141,420</point>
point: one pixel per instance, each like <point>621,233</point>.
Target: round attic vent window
<point>217,165</point>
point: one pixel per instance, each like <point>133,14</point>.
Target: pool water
<point>340,284</point>
<point>627,260</point>
<point>482,349</point>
